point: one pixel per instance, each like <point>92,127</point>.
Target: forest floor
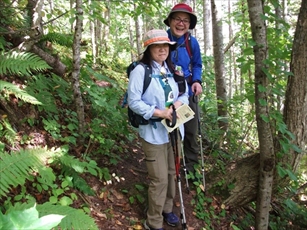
<point>121,205</point>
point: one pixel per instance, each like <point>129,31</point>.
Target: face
<point>159,52</point>
<point>179,23</point>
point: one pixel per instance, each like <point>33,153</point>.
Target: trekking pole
<point>174,142</point>
<point>185,170</point>
<point>195,98</point>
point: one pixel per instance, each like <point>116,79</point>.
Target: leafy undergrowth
<point>121,203</point>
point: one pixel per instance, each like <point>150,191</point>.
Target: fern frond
<point>15,167</point>
<point>61,39</point>
<point>74,167</point>
<point>2,43</point>
<point>7,132</point>
<point>47,90</point>
<point>8,88</point>
<point>74,218</point>
<point>21,63</point>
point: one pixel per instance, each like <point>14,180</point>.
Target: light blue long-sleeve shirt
<point>152,98</point>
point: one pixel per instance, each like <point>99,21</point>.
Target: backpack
<point>135,119</point>
<point>188,46</point>
<point>179,79</point>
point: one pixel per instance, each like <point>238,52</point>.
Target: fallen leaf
<point>134,173</point>
<point>118,222</point>
<point>127,207</point>
<point>101,195</point>
<point>101,215</point>
<point>137,227</point>
<point>118,195</point>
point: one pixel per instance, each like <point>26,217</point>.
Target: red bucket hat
<point>182,7</point>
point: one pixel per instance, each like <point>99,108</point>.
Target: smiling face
<point>159,52</point>
<point>179,23</point>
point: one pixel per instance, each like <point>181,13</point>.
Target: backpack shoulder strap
<point>188,45</point>
<point>147,77</point>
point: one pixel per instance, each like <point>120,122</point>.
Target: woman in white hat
<point>154,104</point>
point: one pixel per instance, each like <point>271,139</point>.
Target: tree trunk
<point>129,28</point>
<point>267,156</point>
<point>106,31</point>
<point>98,34</point>
<point>219,67</point>
<point>35,8</point>
<point>137,33</point>
<point>76,69</point>
<point>206,27</point>
<point>93,36</point>
<point>295,111</point>
<point>54,61</point>
<point>231,61</point>
<point>244,173</point>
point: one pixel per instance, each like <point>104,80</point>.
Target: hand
<point>167,113</point>
<point>196,88</point>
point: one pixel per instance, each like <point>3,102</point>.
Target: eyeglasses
<point>184,21</point>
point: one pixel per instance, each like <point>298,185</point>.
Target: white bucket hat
<point>157,36</point>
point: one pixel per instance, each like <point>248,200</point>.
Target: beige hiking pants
<point>162,187</point>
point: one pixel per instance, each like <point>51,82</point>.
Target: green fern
<point>2,43</point>
<point>74,218</point>
<point>73,167</point>
<point>7,132</point>
<point>21,63</point>
<point>48,90</point>
<point>78,182</point>
<point>29,219</point>
<point>59,38</point>
<point>7,89</point>
<point>15,168</point>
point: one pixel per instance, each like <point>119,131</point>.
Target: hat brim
<point>171,44</point>
<point>193,18</point>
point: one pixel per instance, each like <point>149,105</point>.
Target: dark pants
<point>190,143</point>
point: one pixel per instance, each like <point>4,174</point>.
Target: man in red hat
<point>180,19</point>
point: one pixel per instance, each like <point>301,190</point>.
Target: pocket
<point>150,156</point>
<point>150,151</point>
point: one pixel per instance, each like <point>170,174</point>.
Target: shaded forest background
<point>65,140</point>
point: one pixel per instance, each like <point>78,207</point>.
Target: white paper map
<point>184,114</point>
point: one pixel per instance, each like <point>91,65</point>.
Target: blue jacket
<point>181,57</point>
<point>152,98</point>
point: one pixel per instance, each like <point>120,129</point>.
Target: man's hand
<point>196,88</point>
